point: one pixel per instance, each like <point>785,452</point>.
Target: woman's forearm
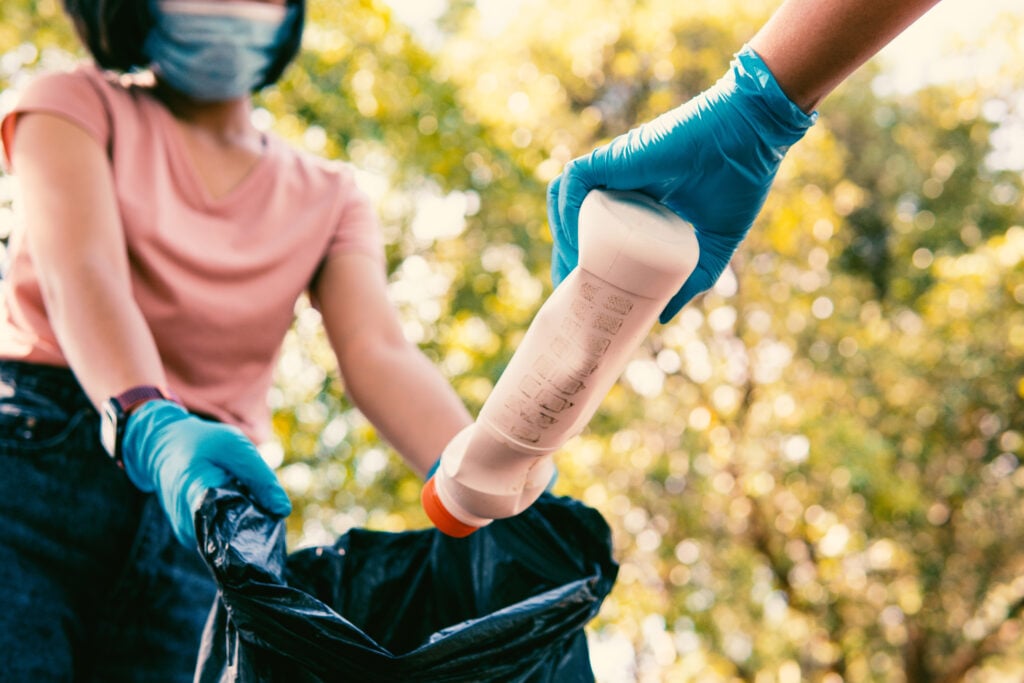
<point>387,377</point>
<point>74,235</point>
<point>813,45</point>
<point>406,398</point>
<point>102,333</point>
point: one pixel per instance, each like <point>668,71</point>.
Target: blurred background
<point>813,472</point>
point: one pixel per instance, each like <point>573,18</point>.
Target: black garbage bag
<point>507,603</point>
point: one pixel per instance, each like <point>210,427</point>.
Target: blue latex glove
<point>711,161</point>
<point>168,450</point>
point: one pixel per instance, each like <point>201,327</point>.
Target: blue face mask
<point>216,51</point>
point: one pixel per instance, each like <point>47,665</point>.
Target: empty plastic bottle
<point>634,254</point>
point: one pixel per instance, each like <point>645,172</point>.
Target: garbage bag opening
<point>507,603</point>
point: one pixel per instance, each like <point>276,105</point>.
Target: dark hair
<point>115,30</point>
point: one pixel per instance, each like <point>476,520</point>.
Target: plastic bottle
<point>634,255</point>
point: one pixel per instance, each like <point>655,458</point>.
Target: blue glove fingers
<point>700,281</point>
<point>180,457</point>
<point>222,457</point>
<point>262,484</point>
<point>561,265</point>
<point>224,453</point>
<point>715,254</point>
<point>579,178</point>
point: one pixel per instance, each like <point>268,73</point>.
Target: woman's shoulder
<point>332,186</point>
<point>309,167</point>
<point>81,84</point>
<point>56,84</point>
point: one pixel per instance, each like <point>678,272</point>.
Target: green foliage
<point>813,473</point>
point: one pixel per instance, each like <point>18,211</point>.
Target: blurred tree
<point>813,473</point>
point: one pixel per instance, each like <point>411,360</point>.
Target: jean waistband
<point>57,383</point>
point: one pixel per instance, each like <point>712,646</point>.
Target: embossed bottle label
<point>634,255</point>
<point>568,363</point>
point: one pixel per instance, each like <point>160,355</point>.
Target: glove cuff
<point>783,121</point>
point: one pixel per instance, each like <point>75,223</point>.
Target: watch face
<point>108,428</point>
<point>115,411</point>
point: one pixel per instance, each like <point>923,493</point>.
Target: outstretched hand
<point>711,161</point>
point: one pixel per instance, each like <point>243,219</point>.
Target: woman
<point>165,242</point>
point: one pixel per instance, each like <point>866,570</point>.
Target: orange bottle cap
<point>445,521</point>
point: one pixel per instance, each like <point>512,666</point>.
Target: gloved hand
<point>711,161</point>
<point>168,450</point>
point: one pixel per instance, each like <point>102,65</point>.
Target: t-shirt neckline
<point>188,175</point>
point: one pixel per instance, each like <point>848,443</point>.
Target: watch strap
<point>132,398</point>
<point>121,406</point>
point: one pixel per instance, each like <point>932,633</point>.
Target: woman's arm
<point>712,160</point>
<point>75,237</point>
<point>811,46</point>
<point>388,378</point>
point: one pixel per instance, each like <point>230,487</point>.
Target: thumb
<point>262,484</point>
<point>577,182</point>
<point>249,469</point>
<point>699,281</point>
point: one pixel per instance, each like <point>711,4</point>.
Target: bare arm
<point>388,378</point>
<point>811,46</point>
<point>75,236</point>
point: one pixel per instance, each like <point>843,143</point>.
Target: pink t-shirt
<point>217,279</point>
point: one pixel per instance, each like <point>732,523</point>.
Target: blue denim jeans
<point>93,584</point>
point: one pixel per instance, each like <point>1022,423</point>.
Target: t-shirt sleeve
<point>358,228</point>
<point>357,231</point>
<point>72,95</point>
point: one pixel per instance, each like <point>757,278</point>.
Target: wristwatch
<point>115,412</point>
